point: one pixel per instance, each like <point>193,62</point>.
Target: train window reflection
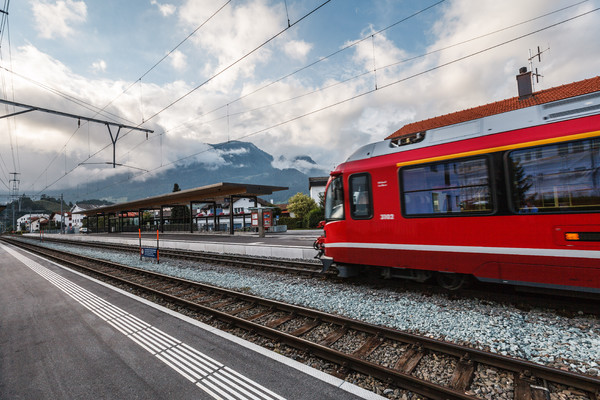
<point>334,199</point>
<point>561,177</point>
<point>453,187</point>
<point>361,205</point>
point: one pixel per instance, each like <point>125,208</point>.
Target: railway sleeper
<point>277,322</point>
<point>368,346</point>
<point>462,377</point>
<point>410,359</point>
<point>334,336</point>
<point>307,327</point>
<point>242,309</point>
<point>526,388</point>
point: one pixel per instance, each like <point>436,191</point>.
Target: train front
<point>333,229</point>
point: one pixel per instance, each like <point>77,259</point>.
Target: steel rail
<point>406,381</point>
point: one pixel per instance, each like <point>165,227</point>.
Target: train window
<point>563,177</point>
<point>361,203</point>
<point>456,187</point>
<point>334,199</point>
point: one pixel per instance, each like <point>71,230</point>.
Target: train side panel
<point>502,246</point>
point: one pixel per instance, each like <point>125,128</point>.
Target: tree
<point>301,204</point>
<point>322,201</point>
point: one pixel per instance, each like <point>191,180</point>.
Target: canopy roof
<point>215,192</point>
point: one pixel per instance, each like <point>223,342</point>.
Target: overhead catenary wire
<point>14,144</point>
<point>283,122</point>
<point>217,74</point>
<point>248,54</point>
<point>371,91</point>
<point>357,76</point>
<point>102,110</point>
<point>170,52</point>
<point>322,59</point>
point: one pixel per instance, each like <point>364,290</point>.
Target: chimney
<point>524,84</point>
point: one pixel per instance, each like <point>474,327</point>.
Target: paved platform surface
<point>66,336</point>
<point>291,244</point>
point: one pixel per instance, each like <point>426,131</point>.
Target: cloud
<point>99,66</point>
<point>178,60</point>
<point>236,30</point>
<point>54,20</point>
<point>165,9</point>
<point>333,127</point>
<point>297,49</point>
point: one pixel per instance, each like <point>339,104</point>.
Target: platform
<point>291,244</point>
<point>67,336</point>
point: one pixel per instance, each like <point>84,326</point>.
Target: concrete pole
<point>62,215</point>
<point>261,224</point>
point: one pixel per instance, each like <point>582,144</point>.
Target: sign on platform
<point>267,218</point>
<point>150,252</point>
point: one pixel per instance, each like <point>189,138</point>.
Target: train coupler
<point>319,246</point>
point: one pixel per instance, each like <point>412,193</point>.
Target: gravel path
<point>536,335</point>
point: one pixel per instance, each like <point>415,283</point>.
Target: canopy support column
<point>191,217</point>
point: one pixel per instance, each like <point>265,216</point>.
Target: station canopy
<point>211,193</point>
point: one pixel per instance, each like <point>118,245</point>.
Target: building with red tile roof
<point>544,96</point>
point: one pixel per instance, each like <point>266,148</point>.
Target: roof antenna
<point>531,59</point>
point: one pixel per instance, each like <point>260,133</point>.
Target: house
<point>284,210</point>
<point>317,186</point>
<point>67,219</point>
<point>77,219</point>
<point>37,224</point>
<point>24,222</point>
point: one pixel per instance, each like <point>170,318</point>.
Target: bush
<point>292,223</point>
<point>314,216</point>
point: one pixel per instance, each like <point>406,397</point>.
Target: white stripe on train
<point>517,251</point>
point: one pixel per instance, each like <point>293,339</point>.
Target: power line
<point>98,110</point>
<point>215,75</point>
<point>238,60</point>
<point>321,59</point>
<point>169,53</point>
<point>371,91</point>
<point>358,75</point>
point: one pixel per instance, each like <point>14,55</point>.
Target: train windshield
<point>334,200</point>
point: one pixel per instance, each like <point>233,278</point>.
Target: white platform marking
<point>208,374</point>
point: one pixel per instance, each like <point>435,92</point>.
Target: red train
<point>507,192</point>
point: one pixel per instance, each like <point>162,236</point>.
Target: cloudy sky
<point>295,77</point>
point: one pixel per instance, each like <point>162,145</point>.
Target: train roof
<point>542,97</point>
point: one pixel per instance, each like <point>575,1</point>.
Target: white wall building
<point>317,186</point>
<point>36,223</point>
<point>77,219</point>
<point>67,221</point>
<point>26,219</point>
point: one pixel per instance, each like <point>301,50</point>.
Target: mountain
<point>236,162</point>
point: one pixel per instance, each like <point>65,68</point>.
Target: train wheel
<point>451,281</point>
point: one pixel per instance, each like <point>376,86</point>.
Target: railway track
<point>320,334</point>
<point>279,265</point>
<point>560,302</point>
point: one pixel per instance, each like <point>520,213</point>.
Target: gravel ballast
<point>536,335</point>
